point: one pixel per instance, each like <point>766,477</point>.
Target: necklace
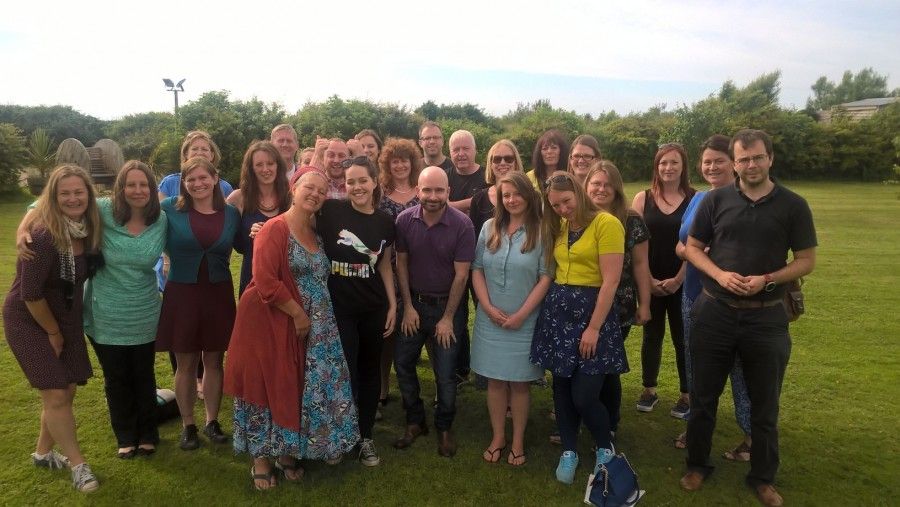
<point>267,209</point>
<point>408,190</point>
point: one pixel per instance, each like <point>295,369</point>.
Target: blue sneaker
<point>604,456</point>
<point>565,471</point>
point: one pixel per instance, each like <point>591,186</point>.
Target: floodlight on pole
<point>174,88</point>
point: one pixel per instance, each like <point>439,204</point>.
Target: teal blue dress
<point>510,275</point>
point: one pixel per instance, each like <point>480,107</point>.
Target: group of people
<point>365,252</point>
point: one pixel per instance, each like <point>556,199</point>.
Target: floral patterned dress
<point>328,417</point>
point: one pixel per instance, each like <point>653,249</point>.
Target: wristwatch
<point>770,283</point>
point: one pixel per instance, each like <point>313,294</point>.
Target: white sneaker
<point>52,460</point>
<point>83,479</point>
<point>367,454</point>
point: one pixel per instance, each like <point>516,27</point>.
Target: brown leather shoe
<point>692,481</point>
<point>446,444</point>
<point>413,431</point>
<point>768,496</point>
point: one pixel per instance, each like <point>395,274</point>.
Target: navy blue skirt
<point>563,318</point>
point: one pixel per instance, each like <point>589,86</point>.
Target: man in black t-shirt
<point>749,228</point>
<point>467,176</point>
<point>431,140</point>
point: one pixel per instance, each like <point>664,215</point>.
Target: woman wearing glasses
<point>585,151</point>
<point>577,336</point>
<point>502,158</point>
<point>358,239</point>
<point>550,154</point>
<point>662,206</point>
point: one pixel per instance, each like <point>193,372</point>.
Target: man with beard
<point>750,226</point>
<point>435,246</point>
<point>431,140</point>
<point>329,156</point>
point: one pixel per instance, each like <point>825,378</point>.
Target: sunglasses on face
<point>360,160</point>
<point>509,159</point>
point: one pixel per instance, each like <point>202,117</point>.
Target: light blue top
<point>691,284</point>
<point>121,301</point>
<point>510,276</point>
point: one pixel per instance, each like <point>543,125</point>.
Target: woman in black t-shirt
<point>358,239</point>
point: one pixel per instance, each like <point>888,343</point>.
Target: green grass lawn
<point>839,410</point>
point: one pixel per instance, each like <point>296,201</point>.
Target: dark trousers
<point>575,399</point>
<point>655,331</point>
<point>611,393</point>
<point>464,356</point>
<point>408,348</point>
<point>130,385</point>
<point>760,338</point>
<point>361,337</point>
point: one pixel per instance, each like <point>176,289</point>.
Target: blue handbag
<point>613,484</point>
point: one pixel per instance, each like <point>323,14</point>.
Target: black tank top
<point>663,236</point>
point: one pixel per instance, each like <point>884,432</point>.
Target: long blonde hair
<point>501,216</point>
<point>585,211</point>
<point>52,217</point>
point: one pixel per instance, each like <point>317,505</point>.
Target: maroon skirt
<point>196,317</point>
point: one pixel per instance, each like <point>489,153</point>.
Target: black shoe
<point>214,432</point>
<point>189,439</point>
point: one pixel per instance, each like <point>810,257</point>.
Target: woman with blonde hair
<point>42,314</point>
<point>502,158</point>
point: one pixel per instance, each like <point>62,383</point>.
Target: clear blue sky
<point>108,58</point>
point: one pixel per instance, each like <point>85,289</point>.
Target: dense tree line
<point>843,150</point>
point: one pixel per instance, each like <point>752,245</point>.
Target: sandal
<point>293,466</point>
<point>492,456</point>
<point>680,441</point>
<point>513,458</point>
<point>269,477</point>
<point>739,453</point>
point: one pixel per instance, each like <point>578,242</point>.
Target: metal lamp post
<point>174,88</point>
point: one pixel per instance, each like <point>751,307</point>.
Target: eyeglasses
<point>757,159</point>
<point>586,158</point>
<point>509,159</point>
<point>430,138</point>
<point>360,160</point>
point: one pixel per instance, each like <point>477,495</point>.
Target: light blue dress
<point>510,275</point>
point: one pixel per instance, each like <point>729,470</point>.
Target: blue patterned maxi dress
<point>328,417</point>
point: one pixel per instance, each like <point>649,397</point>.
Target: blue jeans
<point>407,350</point>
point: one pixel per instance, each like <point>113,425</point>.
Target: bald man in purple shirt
<point>435,246</point>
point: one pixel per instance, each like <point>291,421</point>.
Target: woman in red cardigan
<point>266,357</point>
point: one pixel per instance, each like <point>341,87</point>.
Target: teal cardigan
<point>185,252</point>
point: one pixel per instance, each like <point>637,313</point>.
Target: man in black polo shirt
<point>749,228</point>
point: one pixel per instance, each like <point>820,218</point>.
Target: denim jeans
<point>408,348</point>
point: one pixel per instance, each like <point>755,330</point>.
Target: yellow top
<point>533,178</point>
<point>580,263</point>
